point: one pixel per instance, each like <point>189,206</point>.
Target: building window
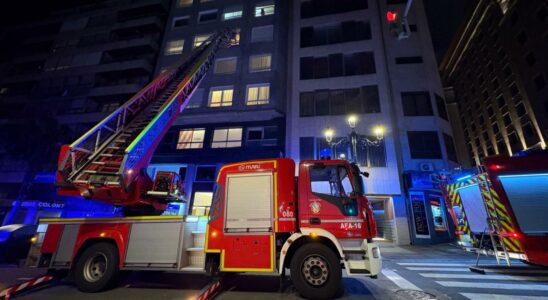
<point>174,47</point>
<point>199,39</point>
<point>262,136</point>
<point>264,9</point>
<point>260,63</point>
<point>348,31</point>
<point>196,99</point>
<point>336,65</point>
<point>184,3</point>
<point>227,138</point>
<point>340,102</point>
<point>262,33</point>
<point>442,110</point>
<point>416,104</point>
<point>225,65</point>
<point>179,22</point>
<point>408,60</point>
<point>450,147</point>
<point>207,16</point>
<point>191,138</point>
<point>542,14</point>
<point>424,144</point>
<point>220,96</point>
<point>540,83</point>
<point>258,94</point>
<point>507,120</point>
<point>205,173</point>
<point>232,12</point>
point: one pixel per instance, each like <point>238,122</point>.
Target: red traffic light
<point>391,16</point>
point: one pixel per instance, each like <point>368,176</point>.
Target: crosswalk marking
<point>432,264</point>
<point>400,281</point>
<point>486,277</point>
<point>493,285</point>
<point>438,269</point>
<point>481,296</point>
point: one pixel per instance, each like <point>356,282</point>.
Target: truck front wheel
<point>316,272</point>
<point>97,268</point>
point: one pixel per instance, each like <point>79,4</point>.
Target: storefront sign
<point>421,180</point>
<point>419,215</point>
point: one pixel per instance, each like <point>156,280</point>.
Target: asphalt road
<point>432,272</point>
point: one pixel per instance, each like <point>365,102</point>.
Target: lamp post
<point>353,139</point>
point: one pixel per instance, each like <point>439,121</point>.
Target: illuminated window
<point>220,96</point>
<point>227,138</point>
<point>232,12</point>
<point>191,138</point>
<point>259,63</point>
<point>225,65</point>
<point>258,94</point>
<point>199,39</point>
<point>174,47</point>
<point>264,9</point>
<point>184,3</point>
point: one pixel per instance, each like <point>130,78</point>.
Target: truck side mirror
<point>365,174</point>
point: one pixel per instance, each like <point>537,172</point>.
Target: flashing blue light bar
<point>464,177</point>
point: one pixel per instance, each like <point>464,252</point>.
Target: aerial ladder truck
<point>262,217</point>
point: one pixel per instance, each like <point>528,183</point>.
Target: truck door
<point>248,224</point>
<point>333,203</point>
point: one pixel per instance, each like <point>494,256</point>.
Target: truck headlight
<point>376,252</point>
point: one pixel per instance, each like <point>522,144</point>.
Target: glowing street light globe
<point>352,120</point>
<point>329,133</point>
<point>378,131</point>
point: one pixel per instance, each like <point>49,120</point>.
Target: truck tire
<point>316,272</point>
<point>97,268</point>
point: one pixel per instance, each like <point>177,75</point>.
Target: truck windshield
<point>330,180</point>
<point>358,181</point>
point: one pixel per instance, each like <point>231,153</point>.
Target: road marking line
<point>433,264</point>
<point>438,269</point>
<point>479,296</point>
<point>487,277</point>
<point>400,281</point>
<point>489,285</point>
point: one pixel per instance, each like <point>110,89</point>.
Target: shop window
<point>225,65</point>
<point>191,138</point>
<point>260,63</point>
<point>232,12</point>
<point>424,144</point>
<point>207,16</point>
<point>258,94</point>
<point>262,33</point>
<point>438,213</point>
<point>220,96</point>
<point>174,47</point>
<point>227,138</point>
<point>416,104</point>
<point>264,9</point>
<point>199,39</point>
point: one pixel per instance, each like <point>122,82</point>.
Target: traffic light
<point>394,23</point>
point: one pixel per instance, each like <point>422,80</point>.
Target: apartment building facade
<point>59,75</point>
<point>496,72</point>
<point>238,111</point>
<point>344,61</point>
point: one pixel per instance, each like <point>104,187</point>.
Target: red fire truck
<point>502,209</point>
<point>262,218</point>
